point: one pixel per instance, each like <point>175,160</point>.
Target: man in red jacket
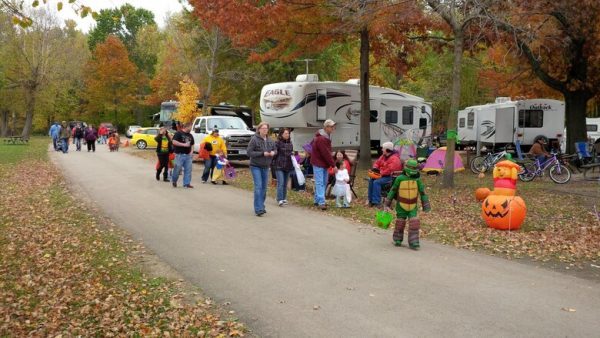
<point>321,160</point>
<point>387,164</point>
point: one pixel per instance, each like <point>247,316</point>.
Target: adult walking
<point>283,164</point>
<point>164,147</point>
<point>77,136</point>
<point>54,134</point>
<point>183,143</point>
<point>64,135</point>
<point>322,160</point>
<point>90,135</point>
<point>261,151</point>
<point>102,132</point>
<point>217,145</point>
<point>387,164</point>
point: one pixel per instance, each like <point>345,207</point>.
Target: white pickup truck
<point>232,129</point>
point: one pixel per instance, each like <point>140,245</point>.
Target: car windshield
<point>226,123</point>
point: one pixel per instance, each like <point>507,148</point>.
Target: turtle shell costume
<point>406,190</point>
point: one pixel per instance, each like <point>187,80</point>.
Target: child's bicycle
<point>558,173</point>
<point>481,164</point>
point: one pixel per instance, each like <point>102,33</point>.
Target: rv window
<point>407,115</point>
<point>391,117</point>
<point>202,126</point>
<point>531,118</point>
<point>470,119</point>
<point>373,116</point>
<point>321,100</point>
<point>461,122</point>
<point>592,127</point>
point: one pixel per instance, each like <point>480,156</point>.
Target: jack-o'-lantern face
<point>503,212</point>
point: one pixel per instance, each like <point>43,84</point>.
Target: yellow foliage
<point>187,96</point>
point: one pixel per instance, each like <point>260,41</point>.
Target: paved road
<point>298,273</point>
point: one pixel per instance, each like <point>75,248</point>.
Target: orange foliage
<point>166,81</point>
<point>505,74</point>
<point>111,79</point>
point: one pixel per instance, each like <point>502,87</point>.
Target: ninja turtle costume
<point>406,190</point>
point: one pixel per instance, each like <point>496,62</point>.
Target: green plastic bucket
<point>383,219</point>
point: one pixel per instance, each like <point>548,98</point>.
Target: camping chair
<point>352,174</point>
<point>583,153</point>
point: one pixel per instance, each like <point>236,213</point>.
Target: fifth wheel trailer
<point>505,121</point>
<point>306,103</point>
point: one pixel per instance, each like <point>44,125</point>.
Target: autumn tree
<point>111,83</point>
<point>188,97</point>
<point>290,29</point>
<point>459,15</point>
<point>131,25</point>
<point>559,39</point>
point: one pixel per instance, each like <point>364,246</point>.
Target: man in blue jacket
<point>54,134</point>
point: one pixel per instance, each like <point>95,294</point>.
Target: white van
<point>231,128</point>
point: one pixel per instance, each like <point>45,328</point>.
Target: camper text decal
<point>277,99</point>
<point>540,106</point>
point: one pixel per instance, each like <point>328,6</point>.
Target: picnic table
<point>14,140</point>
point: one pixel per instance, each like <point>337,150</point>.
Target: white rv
<point>505,121</point>
<point>304,105</point>
<point>593,128</point>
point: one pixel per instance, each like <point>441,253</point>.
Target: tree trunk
<point>29,109</point>
<point>575,111</point>
<point>365,124</point>
<point>448,179</point>
<point>4,123</point>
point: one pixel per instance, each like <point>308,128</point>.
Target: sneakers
<point>189,186</point>
<point>213,182</point>
<point>225,183</point>
<point>260,213</point>
<point>398,243</point>
<point>166,179</point>
<point>323,207</point>
<point>203,181</point>
<point>285,202</point>
<point>414,246</point>
<point>174,184</point>
<point>280,203</point>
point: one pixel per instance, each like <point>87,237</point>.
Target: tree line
<point>454,53</point>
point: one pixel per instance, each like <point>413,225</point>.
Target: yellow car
<point>144,138</point>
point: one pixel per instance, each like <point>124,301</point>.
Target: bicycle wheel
<point>528,172</point>
<point>478,165</point>
<point>560,174</point>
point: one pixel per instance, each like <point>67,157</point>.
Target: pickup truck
<point>232,129</point>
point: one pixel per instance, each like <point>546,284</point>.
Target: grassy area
<point>64,270</point>
<point>561,225</point>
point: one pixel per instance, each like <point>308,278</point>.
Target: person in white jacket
<point>340,189</point>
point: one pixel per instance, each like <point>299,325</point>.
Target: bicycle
<point>482,164</point>
<point>557,171</point>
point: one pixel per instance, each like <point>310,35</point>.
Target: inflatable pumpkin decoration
<point>503,212</point>
<point>501,209</point>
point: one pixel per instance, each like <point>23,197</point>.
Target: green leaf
<point>35,3</point>
<point>59,6</point>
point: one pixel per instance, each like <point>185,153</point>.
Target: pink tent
<point>436,161</point>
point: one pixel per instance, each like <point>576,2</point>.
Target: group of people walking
<point>61,133</point>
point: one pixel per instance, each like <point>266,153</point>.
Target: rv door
<point>505,125</point>
<point>321,104</point>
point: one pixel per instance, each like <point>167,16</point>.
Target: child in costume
<point>340,189</point>
<point>218,172</point>
<point>114,142</point>
<point>406,190</point>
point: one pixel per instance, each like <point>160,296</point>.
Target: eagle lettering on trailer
<point>490,128</point>
<point>277,99</point>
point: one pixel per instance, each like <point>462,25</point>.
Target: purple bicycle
<point>557,172</point>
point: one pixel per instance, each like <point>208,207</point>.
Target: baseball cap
<point>329,123</point>
<point>387,145</point>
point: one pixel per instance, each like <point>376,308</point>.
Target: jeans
<point>282,179</point>
<point>183,161</point>
<point>163,160</point>
<point>209,167</point>
<point>64,144</point>
<point>320,175</point>
<point>55,143</point>
<point>77,142</point>
<point>375,188</point>
<point>260,176</point>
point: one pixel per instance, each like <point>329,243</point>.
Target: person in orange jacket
<point>386,165</point>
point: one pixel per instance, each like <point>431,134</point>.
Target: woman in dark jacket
<point>164,146</point>
<point>283,164</point>
<point>90,135</point>
<point>261,151</point>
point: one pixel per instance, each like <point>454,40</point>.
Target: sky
<point>160,8</point>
